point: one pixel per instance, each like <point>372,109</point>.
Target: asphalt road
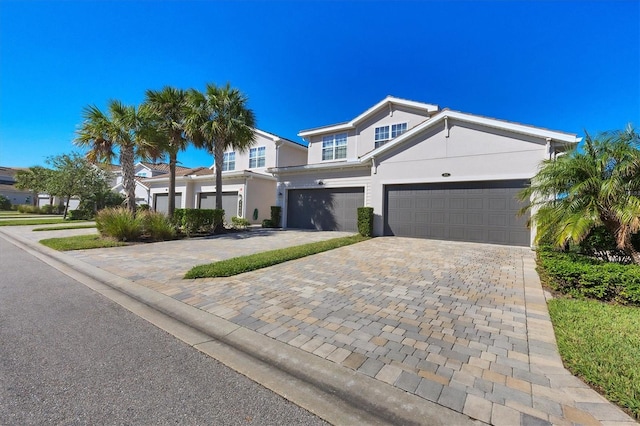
<point>70,356</point>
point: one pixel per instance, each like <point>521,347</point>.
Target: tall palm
<point>582,190</point>
<point>168,112</point>
<point>220,119</point>
<point>104,133</point>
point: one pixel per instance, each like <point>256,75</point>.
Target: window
<point>382,133</point>
<point>257,157</point>
<point>334,147</point>
<point>229,161</point>
<point>398,129</point>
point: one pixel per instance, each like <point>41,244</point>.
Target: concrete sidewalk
<point>416,331</point>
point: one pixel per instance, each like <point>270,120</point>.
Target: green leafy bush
<point>240,222</point>
<point>266,223</point>
<point>119,223</point>
<point>5,203</point>
<point>191,221</point>
<point>80,214</point>
<point>48,209</point>
<point>583,276</point>
<point>156,226</point>
<point>276,214</point>
<point>26,208</point>
<point>143,208</point>
<point>365,221</point>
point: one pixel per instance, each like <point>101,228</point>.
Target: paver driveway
<point>464,325</point>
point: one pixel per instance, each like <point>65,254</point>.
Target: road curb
<point>372,401</point>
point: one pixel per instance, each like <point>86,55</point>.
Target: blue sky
<point>565,65</point>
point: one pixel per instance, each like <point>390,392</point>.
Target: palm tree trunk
<point>128,176</point>
<point>219,154</point>
<point>172,183</point>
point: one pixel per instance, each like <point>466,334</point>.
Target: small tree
<point>34,179</point>
<point>74,176</point>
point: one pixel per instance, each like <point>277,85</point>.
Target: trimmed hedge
<point>192,221</point>
<point>582,276</point>
<point>365,221</point>
<point>276,214</point>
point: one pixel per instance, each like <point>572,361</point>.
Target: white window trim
<point>377,143</point>
<point>257,157</point>
<point>227,154</point>
<point>334,146</point>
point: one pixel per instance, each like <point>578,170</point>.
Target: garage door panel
<point>207,200</point>
<point>465,211</point>
<point>331,209</point>
<point>161,202</point>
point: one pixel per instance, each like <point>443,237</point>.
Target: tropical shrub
<point>119,223</point>
<point>583,276</point>
<point>266,223</point>
<point>156,226</point>
<point>5,203</point>
<point>240,222</point>
<point>365,221</point>
<point>80,214</point>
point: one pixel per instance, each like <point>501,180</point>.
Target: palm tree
<point>220,119</point>
<point>168,113</point>
<point>120,129</point>
<point>582,190</point>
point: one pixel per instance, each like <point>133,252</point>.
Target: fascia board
<point>316,167</point>
<point>514,127</point>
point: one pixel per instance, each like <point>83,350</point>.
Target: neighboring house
<point>8,189</point>
<point>248,189</point>
<point>426,172</point>
<point>142,170</point>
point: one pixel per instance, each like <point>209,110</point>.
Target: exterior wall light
<point>446,174</point>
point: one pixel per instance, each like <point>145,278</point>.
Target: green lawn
<point>600,343</point>
<point>238,265</point>
<point>80,242</point>
<point>63,227</point>
<point>35,221</point>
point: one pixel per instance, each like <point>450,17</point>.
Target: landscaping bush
<point>583,276</point>
<point>365,221</point>
<point>48,209</point>
<point>143,208</point>
<point>602,245</point>
<point>156,226</point>
<point>276,214</point>
<point>80,214</point>
<point>27,208</point>
<point>119,223</point>
<point>266,223</point>
<point>240,222</point>
<point>192,221</point>
<point>5,204</point>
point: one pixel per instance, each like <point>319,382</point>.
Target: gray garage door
<point>325,209</point>
<point>161,202</point>
<point>207,200</point>
<point>483,212</point>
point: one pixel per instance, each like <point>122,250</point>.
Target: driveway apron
<point>460,324</point>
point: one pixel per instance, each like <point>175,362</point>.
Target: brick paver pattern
<point>463,325</point>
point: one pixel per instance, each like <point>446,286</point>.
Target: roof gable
<point>385,103</point>
<point>444,115</point>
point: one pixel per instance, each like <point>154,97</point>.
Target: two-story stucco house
<point>426,172</point>
<point>248,190</point>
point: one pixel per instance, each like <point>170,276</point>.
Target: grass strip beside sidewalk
<point>252,262</point>
<point>600,343</point>
<point>24,222</point>
<point>63,227</point>
<point>80,242</point>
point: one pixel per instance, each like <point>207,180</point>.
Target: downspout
<point>549,149</point>
<point>446,126</point>
<point>374,165</point>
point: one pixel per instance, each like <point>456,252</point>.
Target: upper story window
<point>334,147</point>
<point>257,157</point>
<point>229,161</point>
<point>386,133</point>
